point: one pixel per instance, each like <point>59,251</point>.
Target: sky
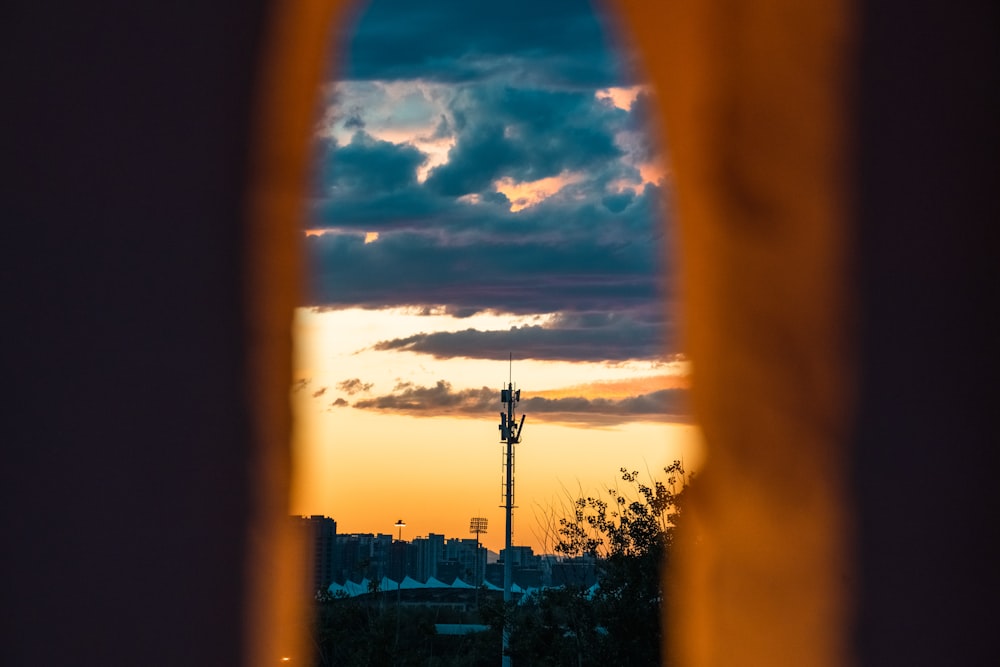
<point>487,206</point>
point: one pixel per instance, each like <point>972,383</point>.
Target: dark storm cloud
<point>554,42</point>
<point>527,135</point>
<point>514,88</point>
<point>373,166</point>
<point>662,405</point>
<point>500,132</point>
<point>515,275</point>
<point>576,337</point>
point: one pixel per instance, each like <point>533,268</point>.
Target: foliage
<point>630,537</point>
<point>374,631</point>
<point>559,626</point>
<point>626,527</point>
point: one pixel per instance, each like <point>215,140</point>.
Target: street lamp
<point>399,584</point>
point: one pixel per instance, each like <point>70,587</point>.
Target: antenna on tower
<point>510,432</point>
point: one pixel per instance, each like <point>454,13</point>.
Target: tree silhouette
<point>629,536</point>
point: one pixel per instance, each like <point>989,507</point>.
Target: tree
<point>630,537</point>
<point>361,631</point>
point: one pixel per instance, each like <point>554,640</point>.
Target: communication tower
<point>510,435</point>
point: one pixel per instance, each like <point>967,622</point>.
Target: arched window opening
<point>490,204</point>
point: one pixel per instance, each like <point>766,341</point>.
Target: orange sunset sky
<point>368,468</point>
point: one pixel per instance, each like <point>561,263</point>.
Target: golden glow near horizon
<point>525,194</point>
<point>368,468</point>
<point>621,96</point>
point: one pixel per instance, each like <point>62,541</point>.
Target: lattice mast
<point>510,435</point>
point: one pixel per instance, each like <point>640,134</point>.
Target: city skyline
<point>492,192</point>
<point>347,562</point>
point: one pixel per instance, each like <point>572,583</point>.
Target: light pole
<point>477,525</point>
<point>399,583</point>
<point>399,551</point>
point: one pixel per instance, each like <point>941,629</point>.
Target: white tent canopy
<point>355,588</point>
<point>410,583</point>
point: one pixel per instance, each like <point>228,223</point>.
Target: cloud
<point>367,165</point>
<point>557,42</point>
<point>353,119</point>
<point>618,201</point>
<point>525,134</point>
<point>554,256</point>
<point>500,170</point>
<point>498,134</point>
<point>566,337</point>
<point>319,392</point>
<point>407,397</point>
<point>441,399</point>
<point>354,386</point>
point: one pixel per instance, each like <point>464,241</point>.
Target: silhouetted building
<point>398,557</point>
<point>361,555</point>
<point>526,568</point>
<point>464,552</point>
<point>427,553</point>
<point>521,557</point>
<point>579,571</point>
<point>321,540</point>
